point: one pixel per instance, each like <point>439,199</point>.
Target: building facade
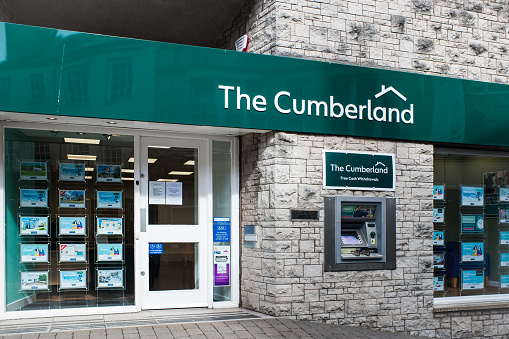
<point>220,160</point>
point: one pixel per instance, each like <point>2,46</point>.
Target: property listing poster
<point>504,259</point>
<point>504,281</point>
<point>472,251</point>
<point>438,215</point>
<point>34,252</point>
<point>438,238</point>
<point>34,280</point>
<point>438,192</point>
<point>472,196</point>
<point>504,238</point>
<point>33,171</point>
<point>438,283</point>
<point>472,223</point>
<point>33,198</point>
<point>472,279</point>
<point>31,225</point>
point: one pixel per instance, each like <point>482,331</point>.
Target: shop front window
<point>471,223</point>
<point>68,219</point>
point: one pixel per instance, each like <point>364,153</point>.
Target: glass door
<point>173,229</point>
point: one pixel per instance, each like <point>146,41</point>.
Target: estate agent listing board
<point>87,235</point>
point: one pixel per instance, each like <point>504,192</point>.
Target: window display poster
<point>438,238</point>
<point>34,252</point>
<point>109,225</point>
<point>438,283</point>
<point>33,171</point>
<point>33,225</point>
<point>472,223</point>
<point>504,281</point>
<point>73,252</point>
<point>222,265</point>
<point>157,193</point>
<point>73,279</point>
<point>71,199</point>
<point>110,278</point>
<point>71,172</point>
<point>109,173</point>
<point>109,199</point>
<point>438,192</point>
<point>438,214</point>
<point>472,279</point>
<point>34,280</point>
<point>33,197</point>
<point>472,196</point>
<point>109,252</point>
<point>472,251</point>
<point>72,225</point>
<point>503,216</point>
<point>503,194</point>
<point>504,238</point>
<point>439,260</point>
<point>504,259</point>
<point>173,193</point>
<point>221,229</point>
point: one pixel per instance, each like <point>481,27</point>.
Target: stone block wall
<point>459,38</point>
<point>285,276</point>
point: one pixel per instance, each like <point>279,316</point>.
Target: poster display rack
<point>439,253</point>
<point>80,247</point>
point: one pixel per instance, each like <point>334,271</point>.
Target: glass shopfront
<point>471,223</point>
<point>74,237</point>
<point>69,226</point>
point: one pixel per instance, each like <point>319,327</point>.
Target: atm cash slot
<point>359,240</point>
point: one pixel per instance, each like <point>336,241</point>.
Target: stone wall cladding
<point>285,277</point>
<point>466,39</point>
<point>461,38</point>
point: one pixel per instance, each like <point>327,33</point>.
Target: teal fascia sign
<point>358,170</point>
<point>64,73</point>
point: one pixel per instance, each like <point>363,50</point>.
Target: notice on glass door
<point>221,265</point>
<point>157,191</point>
<point>173,193</point>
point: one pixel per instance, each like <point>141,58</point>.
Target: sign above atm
<point>358,170</point>
<point>61,73</point>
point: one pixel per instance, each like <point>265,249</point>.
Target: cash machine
<point>360,233</point>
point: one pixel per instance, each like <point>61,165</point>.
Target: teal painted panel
<point>76,74</point>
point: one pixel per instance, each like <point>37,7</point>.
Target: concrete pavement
<point>167,324</point>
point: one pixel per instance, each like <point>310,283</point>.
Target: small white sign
<point>157,191</point>
<point>173,193</point>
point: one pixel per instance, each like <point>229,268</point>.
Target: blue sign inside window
<point>155,248</point>
<point>221,229</point>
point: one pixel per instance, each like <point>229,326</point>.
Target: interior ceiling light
<point>107,136</point>
<point>89,169</point>
<point>82,141</point>
<point>189,163</point>
<point>166,147</point>
<point>81,157</point>
<point>111,122</point>
<point>127,170</point>
<point>180,173</point>
<point>170,180</point>
<point>52,118</point>
<point>80,133</point>
<point>88,177</point>
<point>150,160</point>
<point>127,178</point>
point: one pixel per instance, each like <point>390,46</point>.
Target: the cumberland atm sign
<point>358,170</point>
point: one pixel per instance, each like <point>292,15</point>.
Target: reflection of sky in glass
<point>3,43</point>
<point>65,34</point>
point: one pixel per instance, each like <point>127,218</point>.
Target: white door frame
<point>199,233</point>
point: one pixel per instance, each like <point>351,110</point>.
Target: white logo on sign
<point>390,89</point>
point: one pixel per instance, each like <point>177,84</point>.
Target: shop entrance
<point>173,230</point>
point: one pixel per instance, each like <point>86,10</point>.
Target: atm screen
<point>350,240</point>
<point>358,211</point>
